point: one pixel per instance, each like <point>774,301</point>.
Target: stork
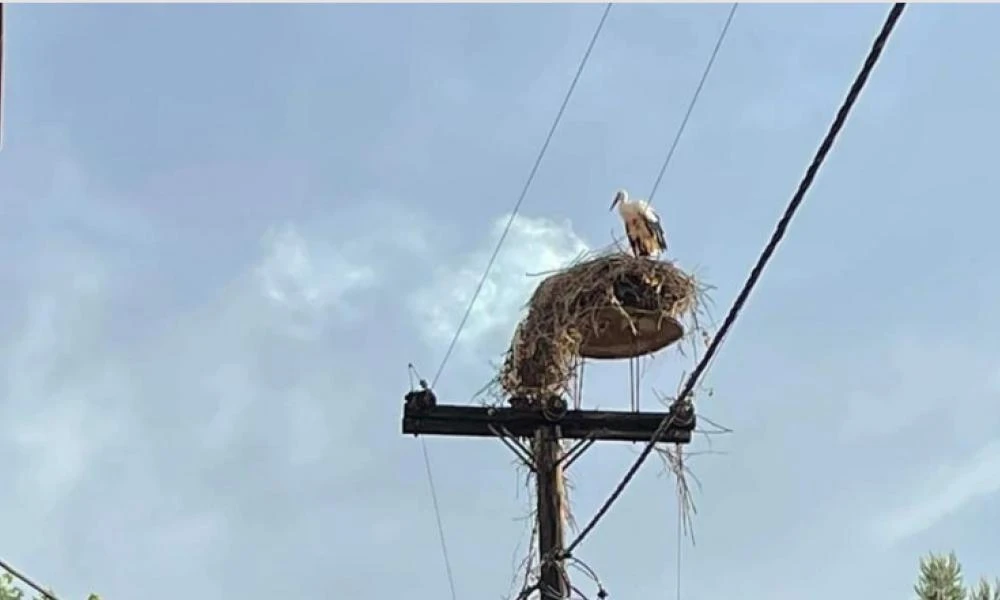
<point>642,225</point>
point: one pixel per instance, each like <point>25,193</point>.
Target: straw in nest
<point>611,306</point>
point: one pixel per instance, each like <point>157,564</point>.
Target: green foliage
<point>941,579</point>
<point>10,591</point>
<point>985,591</point>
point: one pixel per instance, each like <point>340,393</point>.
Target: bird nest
<point>609,307</point>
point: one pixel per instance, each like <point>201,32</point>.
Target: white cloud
<point>78,397</point>
<point>274,327</point>
<point>59,442</point>
<point>310,280</point>
<point>948,490</point>
<point>56,425</point>
<point>533,246</point>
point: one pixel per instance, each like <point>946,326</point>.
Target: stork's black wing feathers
<point>653,224</point>
<point>657,230</point>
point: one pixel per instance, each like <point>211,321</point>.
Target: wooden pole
<point>544,429</point>
<point>552,583</point>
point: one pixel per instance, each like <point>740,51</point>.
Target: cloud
<point>533,246</point>
<point>267,338</point>
<point>139,442</point>
<point>948,490</point>
<point>55,429</point>
<point>60,440</point>
<point>310,280</point>
<point>67,375</point>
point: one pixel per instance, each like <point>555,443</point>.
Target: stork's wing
<point>653,220</point>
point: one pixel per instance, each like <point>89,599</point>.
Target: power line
<point>482,282</point>
<point>683,125</point>
<point>680,524</point>
<point>694,98</point>
<point>656,185</point>
<point>524,192</point>
<point>758,268</point>
<point>27,580</point>
<point>440,523</point>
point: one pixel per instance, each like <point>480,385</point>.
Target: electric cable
<point>758,268</point>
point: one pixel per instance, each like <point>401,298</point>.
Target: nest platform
<point>609,307</point>
<point>628,332</point>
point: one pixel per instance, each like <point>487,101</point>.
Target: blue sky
<point>227,229</point>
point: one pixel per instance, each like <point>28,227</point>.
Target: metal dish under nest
<point>615,340</point>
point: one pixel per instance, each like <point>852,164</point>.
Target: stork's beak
<point>619,196</point>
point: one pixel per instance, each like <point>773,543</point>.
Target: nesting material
<point>609,307</point>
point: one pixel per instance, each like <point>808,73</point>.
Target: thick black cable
<point>27,580</point>
<point>758,268</point>
<point>694,99</point>
<point>524,193</point>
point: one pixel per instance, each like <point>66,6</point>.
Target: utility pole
<point>545,424</point>
<point>548,475</point>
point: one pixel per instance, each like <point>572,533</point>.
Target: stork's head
<point>620,197</point>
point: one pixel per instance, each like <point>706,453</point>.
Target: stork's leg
<point>636,246</point>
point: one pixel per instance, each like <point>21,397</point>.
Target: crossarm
<point>522,422</point>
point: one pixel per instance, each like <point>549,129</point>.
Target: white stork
<point>642,225</point>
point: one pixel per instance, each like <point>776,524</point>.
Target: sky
<point>226,230</point>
